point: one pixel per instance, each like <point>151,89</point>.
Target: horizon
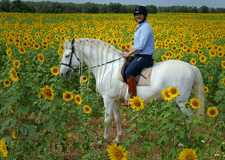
<point>158,3</point>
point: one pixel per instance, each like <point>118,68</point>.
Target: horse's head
<point>70,59</point>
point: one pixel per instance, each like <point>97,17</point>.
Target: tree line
<point>57,7</point>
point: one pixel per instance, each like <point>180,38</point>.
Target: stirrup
<point>126,104</point>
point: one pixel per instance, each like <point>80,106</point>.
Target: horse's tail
<point>199,89</point>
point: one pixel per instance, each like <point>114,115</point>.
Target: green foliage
<point>170,128</point>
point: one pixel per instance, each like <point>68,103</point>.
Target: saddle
<point>142,78</point>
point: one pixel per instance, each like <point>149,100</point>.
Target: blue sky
<point>192,3</point>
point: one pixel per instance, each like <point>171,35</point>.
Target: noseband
<point>71,57</point>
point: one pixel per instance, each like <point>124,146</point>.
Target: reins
<point>106,62</point>
<point>73,52</point>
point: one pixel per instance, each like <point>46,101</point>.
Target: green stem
<point>136,139</point>
<point>154,127</point>
<point>17,134</point>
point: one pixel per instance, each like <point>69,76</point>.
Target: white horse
<point>105,61</point>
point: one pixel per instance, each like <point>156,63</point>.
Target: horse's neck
<point>95,53</point>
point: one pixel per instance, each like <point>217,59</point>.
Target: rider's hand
<point>126,54</point>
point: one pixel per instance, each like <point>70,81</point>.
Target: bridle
<point>71,57</point>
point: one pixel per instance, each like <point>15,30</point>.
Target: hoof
<point>180,145</point>
<point>116,140</point>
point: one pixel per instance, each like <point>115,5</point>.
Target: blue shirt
<point>144,40</point>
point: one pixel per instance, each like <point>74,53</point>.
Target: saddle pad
<point>143,81</point>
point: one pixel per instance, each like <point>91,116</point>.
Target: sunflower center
<point>195,104</point>
<point>212,112</point>
<point>48,92</point>
<point>78,99</point>
<point>137,103</point>
<point>173,92</point>
<point>118,155</point>
<point>167,94</point>
<point>189,157</point>
<point>55,70</point>
<point>68,96</point>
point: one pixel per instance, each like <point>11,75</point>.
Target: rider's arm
<point>129,52</point>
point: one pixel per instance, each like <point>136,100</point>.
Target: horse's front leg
<point>108,114</point>
<point>112,107</point>
<point>117,117</point>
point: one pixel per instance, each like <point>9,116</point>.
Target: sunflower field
<point>43,116</point>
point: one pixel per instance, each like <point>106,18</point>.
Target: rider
<point>143,49</point>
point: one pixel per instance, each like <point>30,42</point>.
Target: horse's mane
<point>98,42</point>
<point>100,46</point>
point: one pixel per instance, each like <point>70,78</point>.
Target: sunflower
<point>123,47</point>
<point>87,109</point>
<point>41,58</point>
<point>212,53</point>
<point>39,95</point>
<point>55,70</point>
<point>9,52</point>
<point>48,93</point>
<point>223,81</point>
<point>14,135</point>
<point>11,109</point>
<point>166,95</point>
<point>195,103</point>
<point>7,83</point>
<point>114,41</point>
<point>210,78</point>
<point>178,56</point>
<point>67,96</point>
<point>109,41</point>
<point>116,152</point>
<point>164,58</point>
<point>36,46</point>
<point>137,103</point>
<point>193,61</point>
<point>188,154</point>
<point>3,148</point>
<point>78,99</point>
<point>13,75</point>
<point>22,50</point>
<point>188,51</point>
<point>202,58</point>
<point>174,47</point>
<point>84,79</point>
<point>212,111</point>
<point>173,91</point>
<point>16,63</point>
<point>223,64</point>
<point>206,89</point>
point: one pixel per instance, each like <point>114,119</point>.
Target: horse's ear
<point>73,41</point>
<point>65,39</point>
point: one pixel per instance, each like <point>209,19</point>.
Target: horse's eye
<point>67,56</point>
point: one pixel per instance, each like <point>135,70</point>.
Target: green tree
<point>151,9</point>
<point>204,9</point>
<point>19,6</point>
<point>5,5</point>
<point>114,8</point>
